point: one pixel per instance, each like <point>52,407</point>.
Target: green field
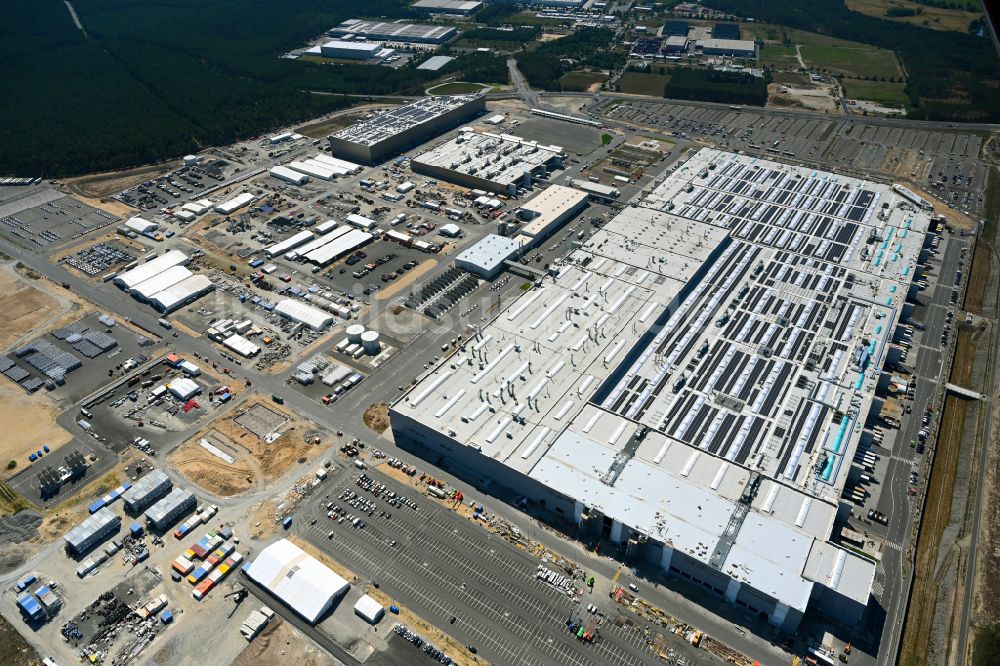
<point>779,57</point>
<point>456,88</point>
<point>580,81</point>
<point>638,83</point>
<point>889,94</point>
<point>858,61</point>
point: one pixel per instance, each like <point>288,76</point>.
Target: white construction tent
<point>288,244</point>
<point>368,609</point>
<point>153,267</point>
<point>182,293</point>
<point>347,167</point>
<point>183,388</point>
<point>314,169</point>
<point>304,314</point>
<point>288,175</point>
<point>154,285</point>
<point>338,247</point>
<point>140,225</point>
<point>234,204</point>
<point>302,582</point>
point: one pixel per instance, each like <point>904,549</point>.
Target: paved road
<point>925,358</point>
<point>529,96</point>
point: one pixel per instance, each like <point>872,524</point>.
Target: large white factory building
<point>693,381</point>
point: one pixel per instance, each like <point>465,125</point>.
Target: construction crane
<point>241,593</point>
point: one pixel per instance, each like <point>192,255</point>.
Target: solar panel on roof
<point>16,373</point>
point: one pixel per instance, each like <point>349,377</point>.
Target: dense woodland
<point>543,66</point>
<point>153,81</point>
<point>951,75</point>
<point>710,85</point>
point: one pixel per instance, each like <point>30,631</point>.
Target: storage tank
<point>354,333</point>
<point>370,342</point>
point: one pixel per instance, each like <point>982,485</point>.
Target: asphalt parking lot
<point>435,564</point>
<point>51,223</point>
<point>943,162</point>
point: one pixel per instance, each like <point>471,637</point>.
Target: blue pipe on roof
<point>860,381</point>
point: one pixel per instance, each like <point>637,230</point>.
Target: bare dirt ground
<point>809,98</point>
<point>99,185</point>
<point>376,417</point>
<point>26,309</point>
<point>408,279</point>
<point>261,521</point>
<point>256,462</point>
<point>112,206</point>
<point>282,643</point>
<point>29,422</point>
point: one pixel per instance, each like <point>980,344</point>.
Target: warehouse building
<point>237,343</point>
<point>596,191</point>
<point>140,225</point>
<point>154,285</point>
<point>454,7</point>
<point>178,295</point>
<point>183,388</point>
<point>549,210</point>
<point>555,4</point>
<point>407,33</point>
<point>299,580</point>
<point>368,609</point>
<point>234,204</point>
<point>735,48</point>
<point>170,509</point>
<point>486,258</point>
<point>147,490</point>
<point>92,531</point>
<point>434,63</point>
<point>500,163</point>
<point>375,139</point>
<point>288,175</point>
<point>694,380</point>
<point>289,243</point>
<point>675,44</point>
<point>306,315</point>
<point>349,50</point>
<point>151,268</point>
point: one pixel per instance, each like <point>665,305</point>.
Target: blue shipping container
<point>287,522</point>
<point>97,505</point>
<point>24,583</point>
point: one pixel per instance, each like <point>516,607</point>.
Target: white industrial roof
<point>241,345</point>
<point>306,314</point>
<point>177,294</point>
<point>489,253</point>
<point>399,119</point>
<point>314,169</point>
<point>369,609</point>
<point>361,47</point>
<point>145,271</point>
<point>140,224</point>
<point>727,44</point>
<point>305,584</point>
<point>349,167</point>
<point>154,285</point>
<point>500,158</point>
<point>234,204</point>
<point>289,243</point>
<point>183,388</point>
<point>549,205</point>
<point>435,63</point>
<point>284,173</point>
<point>716,316</point>
<point>338,247</point>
